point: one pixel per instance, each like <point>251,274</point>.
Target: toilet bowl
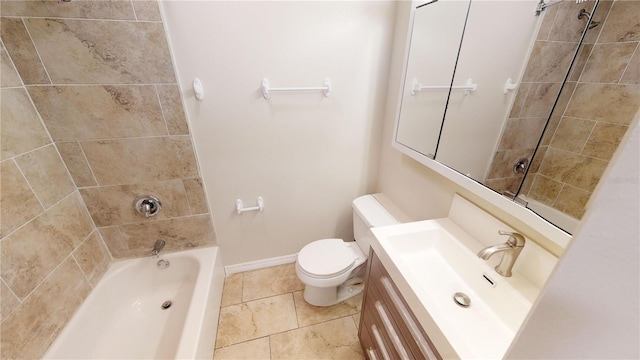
<point>333,269</point>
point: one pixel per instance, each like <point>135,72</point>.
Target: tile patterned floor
<point>264,316</point>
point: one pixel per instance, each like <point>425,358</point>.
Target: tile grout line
<point>24,24</point>
<point>86,159</point>
<point>134,20</point>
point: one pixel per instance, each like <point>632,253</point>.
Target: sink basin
<point>436,259</point>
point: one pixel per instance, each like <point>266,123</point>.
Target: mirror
<point>572,83</point>
<point>435,41</point>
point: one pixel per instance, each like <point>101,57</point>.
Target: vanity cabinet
<point>388,328</point>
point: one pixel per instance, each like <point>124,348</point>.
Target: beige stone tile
<point>113,205</point>
<point>270,281</point>
<point>526,184</point>
<point>21,49</point>
<point>30,253</point>
<point>256,319</point>
<point>336,339</point>
<point>8,75</point>
<point>196,196</point>
<point>540,100</point>
<point>232,290</point>
<point>356,320</point>
<point>549,61</point>
<point>251,350</point>
<point>550,131</point>
<point>21,129</point>
<point>521,133</point>
<point>581,61</point>
<point>544,189</point>
<point>564,98</point>
<point>32,327</point>
<point>128,161</point>
<point>519,101</point>
<point>572,134</point>
<point>102,52</point>
<point>547,22</point>
<point>600,16</point>
<point>93,257</point>
<point>572,201</point>
<point>537,159</point>
<point>604,140</point>
<point>309,314</point>
<point>8,301</point>
<point>99,112</point>
<point>115,242</point>
<point>576,170</point>
<point>18,203</point>
<point>503,161</point>
<point>180,234</point>
<point>567,27</point>
<point>172,109</point>
<point>605,102</point>
<point>103,9</point>
<point>44,170</point>
<point>77,163</point>
<point>503,185</point>
<point>608,62</point>
<point>147,10</point>
<point>622,23</point>
<point>632,73</point>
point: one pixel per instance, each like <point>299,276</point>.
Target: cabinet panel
<point>398,329</point>
<point>408,324</point>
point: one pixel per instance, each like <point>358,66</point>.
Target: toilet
<point>333,270</point>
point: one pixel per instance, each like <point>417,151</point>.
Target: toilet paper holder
<point>240,206</point>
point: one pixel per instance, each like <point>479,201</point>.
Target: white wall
<point>307,155</point>
<point>589,308</point>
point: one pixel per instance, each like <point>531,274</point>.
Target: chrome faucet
<point>511,250</point>
<point>157,247</point>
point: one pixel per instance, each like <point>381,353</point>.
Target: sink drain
<point>462,299</point>
<point>165,305</point>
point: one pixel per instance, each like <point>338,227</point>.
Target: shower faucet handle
<point>148,205</point>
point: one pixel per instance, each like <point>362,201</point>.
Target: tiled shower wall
<point>604,100</point>
<point>51,252</point>
<point>91,118</point>
<point>594,110</point>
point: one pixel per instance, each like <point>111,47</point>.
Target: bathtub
<point>123,317</point>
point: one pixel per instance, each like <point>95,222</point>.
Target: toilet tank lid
<point>372,212</point>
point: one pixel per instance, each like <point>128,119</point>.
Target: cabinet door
<point>382,290</point>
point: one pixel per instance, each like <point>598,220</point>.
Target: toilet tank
<point>367,213</point>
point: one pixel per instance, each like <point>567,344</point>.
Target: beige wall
<point>307,155</point>
<point>91,118</point>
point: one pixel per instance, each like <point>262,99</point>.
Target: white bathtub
<point>123,318</point>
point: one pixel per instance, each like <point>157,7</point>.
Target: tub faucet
<point>157,247</point>
<point>511,249</point>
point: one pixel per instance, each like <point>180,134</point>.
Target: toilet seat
<point>326,258</point>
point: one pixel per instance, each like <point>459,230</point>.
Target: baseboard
<point>260,264</point>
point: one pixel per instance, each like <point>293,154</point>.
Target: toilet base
<point>328,296</point>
